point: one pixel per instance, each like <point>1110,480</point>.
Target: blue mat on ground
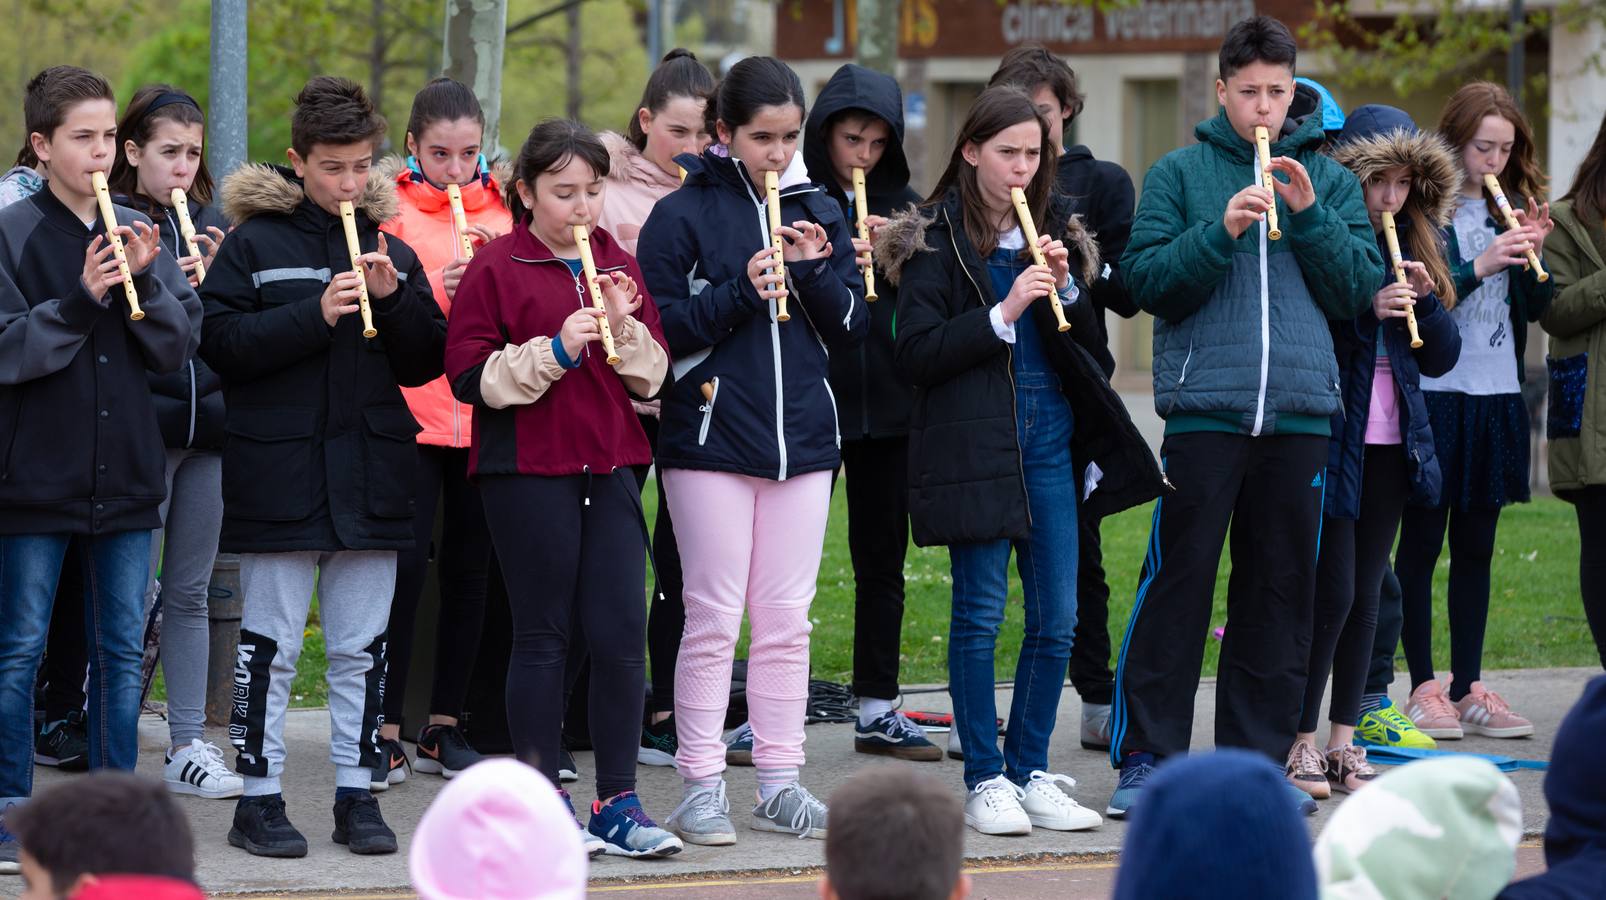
<point>1399,756</point>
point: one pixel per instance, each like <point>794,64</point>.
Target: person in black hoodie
<point>319,458</point>
<point>1101,193</point>
<point>857,122</point>
<point>80,453</point>
<point>1001,398</point>
<point>160,142</point>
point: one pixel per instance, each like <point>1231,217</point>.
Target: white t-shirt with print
<point>1488,363</point>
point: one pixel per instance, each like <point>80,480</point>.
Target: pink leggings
<point>753,541</point>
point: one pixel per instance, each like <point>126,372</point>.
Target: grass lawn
<point>1536,619</point>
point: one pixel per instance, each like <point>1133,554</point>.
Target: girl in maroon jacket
<point>554,438</point>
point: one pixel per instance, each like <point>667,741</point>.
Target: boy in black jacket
<point>80,452</point>
<point>857,122</point>
<point>1101,193</point>
<point>318,462</point>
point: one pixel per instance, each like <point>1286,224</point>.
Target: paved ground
<point>1023,866</point>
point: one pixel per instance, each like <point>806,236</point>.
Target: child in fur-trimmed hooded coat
<point>1381,450</point>
<point>1000,397</point>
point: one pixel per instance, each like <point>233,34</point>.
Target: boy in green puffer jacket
<point>1245,377</point>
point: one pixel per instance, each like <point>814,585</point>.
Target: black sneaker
<point>262,829</point>
<point>442,750</point>
<point>360,827</point>
<point>658,743</point>
<point>567,770</point>
<point>65,745</point>
<point>393,766</point>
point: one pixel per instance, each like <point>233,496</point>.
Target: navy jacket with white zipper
<point>772,414</point>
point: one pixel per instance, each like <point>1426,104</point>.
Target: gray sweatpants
<point>192,516</point>
<point>354,590</point>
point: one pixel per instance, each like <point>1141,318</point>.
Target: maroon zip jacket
<point>532,416</point>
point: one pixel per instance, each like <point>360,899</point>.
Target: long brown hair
<point>139,125</point>
<point>1588,192</point>
<point>1522,178</point>
<point>996,109</point>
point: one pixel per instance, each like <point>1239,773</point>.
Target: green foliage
<point>613,68</point>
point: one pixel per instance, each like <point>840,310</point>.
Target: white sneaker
<point>1049,807</point>
<point>956,750</point>
<point>199,770</point>
<point>993,807</point>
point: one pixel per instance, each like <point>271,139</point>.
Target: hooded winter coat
<point>189,402</point>
<point>320,452</point>
<point>635,185</point>
<point>872,398</point>
<point>1576,322</point>
<point>1241,342</point>
<point>1374,140</point>
<point>424,220</point>
<point>966,483</point>
<point>771,413</point>
<point>1101,193</point>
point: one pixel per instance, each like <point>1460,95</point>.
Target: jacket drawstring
<point>587,470</point>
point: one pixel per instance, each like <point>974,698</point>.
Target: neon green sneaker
<point>1386,726</point>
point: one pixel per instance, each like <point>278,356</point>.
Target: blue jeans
<point>115,568</point>
<point>1047,566</point>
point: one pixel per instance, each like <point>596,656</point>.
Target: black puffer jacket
<point>1101,193</point>
<point>965,478</point>
<point>872,399</point>
<point>189,402</point>
<point>319,452</point>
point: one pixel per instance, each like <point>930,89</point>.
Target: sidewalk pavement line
<point>815,873</point>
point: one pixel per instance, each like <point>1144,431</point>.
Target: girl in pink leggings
<point>748,439</point>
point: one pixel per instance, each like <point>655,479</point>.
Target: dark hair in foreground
<point>105,823</point>
<point>336,111</point>
<point>751,84</point>
<point>551,144</point>
<point>150,105</point>
<point>679,75</point>
<point>48,97</point>
<point>895,834</point>
<point>1256,39</point>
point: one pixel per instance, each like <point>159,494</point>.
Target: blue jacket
<point>1355,346</point>
<point>771,413</point>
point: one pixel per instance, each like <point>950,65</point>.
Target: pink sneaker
<point>1433,713</point>
<point>1485,712</point>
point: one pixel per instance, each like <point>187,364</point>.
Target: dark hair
<point>678,75</point>
<point>139,125</point>
<point>1588,192</point>
<point>1031,66</point>
<point>551,144</point>
<point>1465,111</point>
<point>48,97</point>
<point>1256,39</point>
<point>898,833</point>
<point>83,827</point>
<point>331,110</point>
<point>443,100</point>
<point>996,109</point>
<point>755,82</point>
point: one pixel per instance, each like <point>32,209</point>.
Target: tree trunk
<point>376,55</point>
<point>572,105</point>
<point>476,32</point>
<point>877,44</point>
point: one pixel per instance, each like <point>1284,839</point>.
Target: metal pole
<point>1514,60</point>
<point>655,33</point>
<point>226,146</point>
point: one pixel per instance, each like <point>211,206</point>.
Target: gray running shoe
<point>792,811</point>
<point>703,817</point>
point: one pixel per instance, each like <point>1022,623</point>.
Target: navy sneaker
<point>360,827</point>
<point>568,770</point>
<point>658,744</point>
<point>393,766</point>
<point>626,830</point>
<point>892,734</point>
<point>739,746</point>
<point>64,744</point>
<point>1134,775</point>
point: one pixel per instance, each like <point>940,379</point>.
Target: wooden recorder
<point>103,197</point>
<point>1398,261</point>
<point>772,196</point>
<point>186,229</point>
<point>348,219</point>
<point>1493,184</point>
<point>861,207</point>
<point>582,239</point>
<point>1263,148</point>
<point>1029,230</point>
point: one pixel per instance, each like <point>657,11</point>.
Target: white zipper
<point>775,333</point>
<point>1265,326</point>
<point>191,440</point>
<point>708,412</point>
<point>1187,359</point>
<point>836,418</point>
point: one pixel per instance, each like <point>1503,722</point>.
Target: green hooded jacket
<point>1576,323</point>
<point>1241,340</point>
